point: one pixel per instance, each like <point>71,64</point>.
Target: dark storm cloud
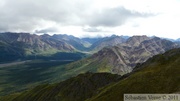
<point>29,15</point>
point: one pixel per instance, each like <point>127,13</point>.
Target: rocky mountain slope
<point>20,45</point>
<point>34,43</point>
<point>159,74</point>
<point>122,58</point>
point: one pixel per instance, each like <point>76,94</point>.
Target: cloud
<point>101,17</point>
<point>47,30</point>
<point>92,29</point>
<point>112,17</point>
<point>29,15</point>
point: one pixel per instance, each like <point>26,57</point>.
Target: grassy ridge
<point>77,88</point>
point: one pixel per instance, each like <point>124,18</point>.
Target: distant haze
<point>91,18</point>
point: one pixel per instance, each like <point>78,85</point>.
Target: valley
<point>29,61</point>
<point>23,75</point>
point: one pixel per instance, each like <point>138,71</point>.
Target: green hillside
<point>160,74</point>
<point>77,88</point>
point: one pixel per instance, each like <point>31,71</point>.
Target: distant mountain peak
<point>136,40</point>
<point>178,39</point>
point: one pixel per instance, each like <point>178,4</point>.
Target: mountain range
<point>20,45</point>
<point>26,46</point>
<point>38,59</point>
<point>123,57</point>
<point>23,45</point>
<point>159,74</point>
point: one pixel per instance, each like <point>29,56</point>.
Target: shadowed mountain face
<point>122,58</point>
<point>159,74</point>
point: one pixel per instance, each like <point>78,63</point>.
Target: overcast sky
<point>84,18</point>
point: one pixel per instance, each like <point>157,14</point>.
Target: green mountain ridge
<point>83,86</point>
<point>159,74</point>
